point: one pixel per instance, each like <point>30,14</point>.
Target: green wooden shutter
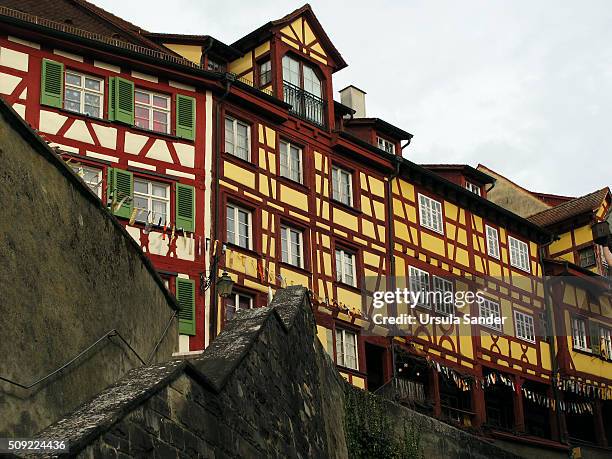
<point>124,101</point>
<point>185,295</point>
<point>121,185</point>
<point>111,98</point>
<point>595,338</point>
<point>185,207</point>
<point>185,117</point>
<point>52,83</point>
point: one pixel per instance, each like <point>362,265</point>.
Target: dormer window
<point>302,89</point>
<point>385,145</point>
<point>473,188</point>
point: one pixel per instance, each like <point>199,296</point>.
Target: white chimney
<point>353,97</point>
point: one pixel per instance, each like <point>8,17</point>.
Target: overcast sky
<point>524,87</point>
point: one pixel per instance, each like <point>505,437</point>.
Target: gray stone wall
<point>69,274</point>
<point>264,388</point>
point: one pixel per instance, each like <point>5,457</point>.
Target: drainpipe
<point>228,80</point>
<point>552,343</point>
<point>390,237</point>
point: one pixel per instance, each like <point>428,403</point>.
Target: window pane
<point>73,79</point>
<point>92,99</point>
<point>142,112</point>
<point>90,83</point>
<point>73,95</point>
<point>141,187</point>
<point>141,97</point>
<point>159,101</point>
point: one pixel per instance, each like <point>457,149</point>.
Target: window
<point>239,227</point>
<point>83,94</point>
<point>290,161</point>
<point>302,89</point>
<point>524,326</point>
<point>91,176</point>
<point>345,267</point>
<point>342,186</point>
<point>418,281</point>
<point>152,199</point>
<point>386,145</point>
<point>606,343</point>
<point>292,246</point>
<point>430,214</point>
<point>265,73</point>
<point>473,188</point>
<point>443,298</point>
<point>519,254</point>
<point>492,242</point>
<point>237,138</point>
<point>346,349</point>
<point>587,257</point>
<point>215,66</point>
<point>579,335</point>
<point>152,111</point>
<point>236,302</point>
<point>490,308</point>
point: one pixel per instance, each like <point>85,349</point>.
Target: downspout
<point>552,344</point>
<point>228,79</point>
<point>390,237</point>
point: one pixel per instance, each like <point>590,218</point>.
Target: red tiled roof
<point>85,16</point>
<point>569,209</point>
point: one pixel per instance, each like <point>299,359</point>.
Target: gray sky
<point>524,87</point>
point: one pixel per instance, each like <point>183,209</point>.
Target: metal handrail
<point>304,104</point>
<point>109,334</point>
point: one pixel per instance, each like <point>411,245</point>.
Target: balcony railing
<point>304,104</point>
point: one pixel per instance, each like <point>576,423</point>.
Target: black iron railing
<point>304,104</point>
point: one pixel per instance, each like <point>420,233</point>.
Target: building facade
<point>236,158</point>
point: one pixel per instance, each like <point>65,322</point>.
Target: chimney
<point>353,97</point>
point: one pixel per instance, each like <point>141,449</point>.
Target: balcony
<point>304,104</point>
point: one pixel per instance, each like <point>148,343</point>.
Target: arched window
<point>302,89</point>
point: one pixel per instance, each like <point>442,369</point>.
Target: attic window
<point>385,145</point>
<point>215,66</point>
<point>473,188</point>
<point>68,21</point>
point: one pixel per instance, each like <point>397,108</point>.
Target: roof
<point>463,168</point>
<point>208,42</point>
<point>381,126</point>
<point>573,208</point>
<point>85,16</point>
<point>552,199</point>
<point>255,37</point>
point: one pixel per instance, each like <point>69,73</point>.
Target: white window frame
<point>490,308</point>
<point>287,256</point>
<point>233,142</point>
<point>94,183</point>
<point>524,326</point>
<point>341,270</point>
<point>153,108</point>
<point>444,286</point>
<point>344,339</point>
<point>82,90</point>
<point>267,63</point>
<point>606,341</point>
<point>146,215</point>
<point>583,250</point>
<point>431,215</point>
<point>519,254</point>
<point>579,334</point>
<point>492,241</point>
<point>236,300</point>
<point>235,210</point>
<point>473,188</point>
<point>288,167</point>
<point>338,192</point>
<point>419,281</point>
<point>385,145</point>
